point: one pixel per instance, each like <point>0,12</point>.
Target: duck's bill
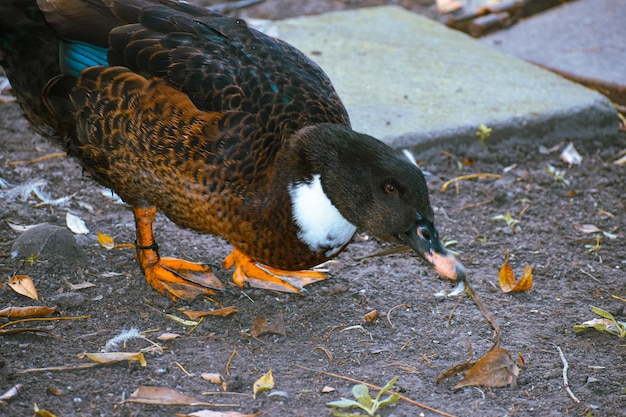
<point>423,239</point>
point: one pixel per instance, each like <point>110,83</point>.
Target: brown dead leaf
<point>212,377</point>
<point>222,312</point>
<point>211,413</point>
<point>166,396</point>
<point>261,325</point>
<point>265,383</point>
<point>587,228</point>
<point>506,277</point>
<point>42,413</point>
<point>455,370</point>
<point>371,316</point>
<point>22,284</point>
<point>112,357</point>
<point>56,392</point>
<point>106,241</point>
<point>496,369</point>
<point>164,337</point>
<point>215,378</point>
<point>29,311</point>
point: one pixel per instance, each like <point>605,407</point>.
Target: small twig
<point>407,343</point>
<point>565,382</point>
<point>618,297</point>
<point>451,315</point>
<point>481,203</point>
<point>182,368</point>
<point>589,275</point>
<point>41,158</point>
<point>328,353</point>
<point>385,252</point>
<point>445,186</point>
<point>393,308</point>
<point>230,359</point>
<point>43,319</point>
<point>356,381</point>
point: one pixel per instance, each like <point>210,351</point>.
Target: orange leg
<point>249,273</point>
<point>172,277</point>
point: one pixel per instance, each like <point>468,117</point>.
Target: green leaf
<point>387,387</point>
<point>606,324</point>
<point>602,313</point>
<point>343,403</point>
<point>362,395</point>
<point>364,401</point>
<point>392,399</point>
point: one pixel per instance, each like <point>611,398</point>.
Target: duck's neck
<point>337,155</point>
<point>309,160</point>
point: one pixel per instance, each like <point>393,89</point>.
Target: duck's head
<point>375,189</point>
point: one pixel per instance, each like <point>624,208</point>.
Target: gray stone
<point>67,300</point>
<point>584,40</point>
<point>412,82</point>
<point>48,242</point>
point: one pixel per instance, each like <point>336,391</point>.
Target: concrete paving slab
<point>583,40</point>
<point>414,83</point>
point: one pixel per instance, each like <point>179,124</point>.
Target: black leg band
<point>154,247</point>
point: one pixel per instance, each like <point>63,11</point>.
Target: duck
<point>225,130</point>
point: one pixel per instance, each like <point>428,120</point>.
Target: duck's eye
<point>390,189</point>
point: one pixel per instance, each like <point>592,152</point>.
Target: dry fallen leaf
<point>22,284</point>
<point>12,392</point>
<point>448,6</point>
<point>507,278</point>
<point>164,337</point>
<point>18,228</point>
<point>42,413</point>
<point>56,392</point>
<point>222,312</point>
<point>620,161</point>
<point>30,311</point>
<point>215,378</point>
<point>111,357</point>
<point>496,369</point>
<point>211,413</point>
<point>265,383</point>
<point>570,155</point>
<point>76,224</point>
<point>81,286</point>
<point>587,228</point>
<point>212,377</point>
<point>371,316</point>
<point>261,325</point>
<point>106,241</point>
<point>166,396</point>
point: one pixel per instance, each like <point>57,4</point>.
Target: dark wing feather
<point>219,62</point>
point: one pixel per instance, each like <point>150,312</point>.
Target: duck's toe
<point>249,273</point>
<point>179,279</point>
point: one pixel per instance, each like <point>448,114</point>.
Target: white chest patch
<point>321,225</point>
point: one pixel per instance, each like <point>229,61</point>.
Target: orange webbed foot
<point>174,278</point>
<point>249,273</point>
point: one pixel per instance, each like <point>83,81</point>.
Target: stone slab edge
<point>414,83</point>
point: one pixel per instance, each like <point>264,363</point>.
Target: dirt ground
<point>326,331</point>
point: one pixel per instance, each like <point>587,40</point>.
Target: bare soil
<point>415,338</point>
